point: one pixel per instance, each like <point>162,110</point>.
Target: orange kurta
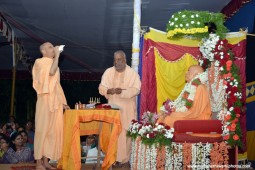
<point>128,80</point>
<point>48,140</point>
<point>200,110</point>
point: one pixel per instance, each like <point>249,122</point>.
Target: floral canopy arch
<point>188,30</point>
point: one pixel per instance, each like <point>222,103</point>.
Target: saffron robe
<point>48,140</point>
<point>200,110</point>
<point>128,80</point>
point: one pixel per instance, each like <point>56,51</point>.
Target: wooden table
<point>87,122</point>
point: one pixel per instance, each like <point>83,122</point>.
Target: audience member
<point>13,150</point>
<point>30,132</point>
<point>25,140</point>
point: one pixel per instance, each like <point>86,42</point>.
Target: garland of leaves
<point>198,24</point>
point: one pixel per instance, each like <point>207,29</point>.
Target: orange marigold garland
<point>161,156</point>
<point>187,156</point>
<point>219,156</point>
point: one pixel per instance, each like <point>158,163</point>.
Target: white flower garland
<point>148,158</point>
<point>200,155</point>
<point>153,157</point>
<point>177,157</point>
<point>139,155</point>
<point>207,49</point>
<point>179,104</point>
<point>133,154</point>
<point>142,154</point>
<point>169,160</point>
<point>217,98</point>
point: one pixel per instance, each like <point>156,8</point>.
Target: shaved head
<point>47,50</point>
<point>193,71</point>
<point>43,45</point>
<point>196,69</point>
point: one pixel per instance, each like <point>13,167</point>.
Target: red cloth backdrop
<point>170,52</point>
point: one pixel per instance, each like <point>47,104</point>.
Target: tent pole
<point>13,90</point>
<point>136,34</point>
<point>13,75</point>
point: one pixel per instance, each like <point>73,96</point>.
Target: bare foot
<point>40,167</point>
<point>48,166</point>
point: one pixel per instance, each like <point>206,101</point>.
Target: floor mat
<point>23,167</point>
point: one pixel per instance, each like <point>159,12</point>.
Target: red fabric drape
<point>232,7</point>
<point>168,51</point>
<point>240,61</point>
<point>148,88</point>
<point>172,52</point>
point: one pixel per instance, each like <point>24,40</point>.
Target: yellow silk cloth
<point>86,122</point>
<point>171,77</point>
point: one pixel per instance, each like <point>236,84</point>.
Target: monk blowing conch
<point>49,107</point>
<point>120,84</point>
<point>193,103</point>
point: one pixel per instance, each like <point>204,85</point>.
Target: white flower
<point>172,16</point>
<point>201,62</point>
<point>168,135</point>
<point>176,26</point>
<point>192,22</point>
<point>217,63</point>
<point>175,19</point>
<point>183,16</point>
<point>231,108</point>
<point>198,23</point>
<point>187,24</point>
<point>181,25</point>
<point>192,16</point>
<point>197,15</point>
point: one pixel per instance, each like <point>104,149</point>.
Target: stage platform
<point>32,167</point>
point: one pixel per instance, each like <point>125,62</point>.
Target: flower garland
<point>180,156</point>
<point>185,100</point>
<point>195,23</point>
<point>200,155</point>
<point>169,158</point>
<point>217,53</point>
